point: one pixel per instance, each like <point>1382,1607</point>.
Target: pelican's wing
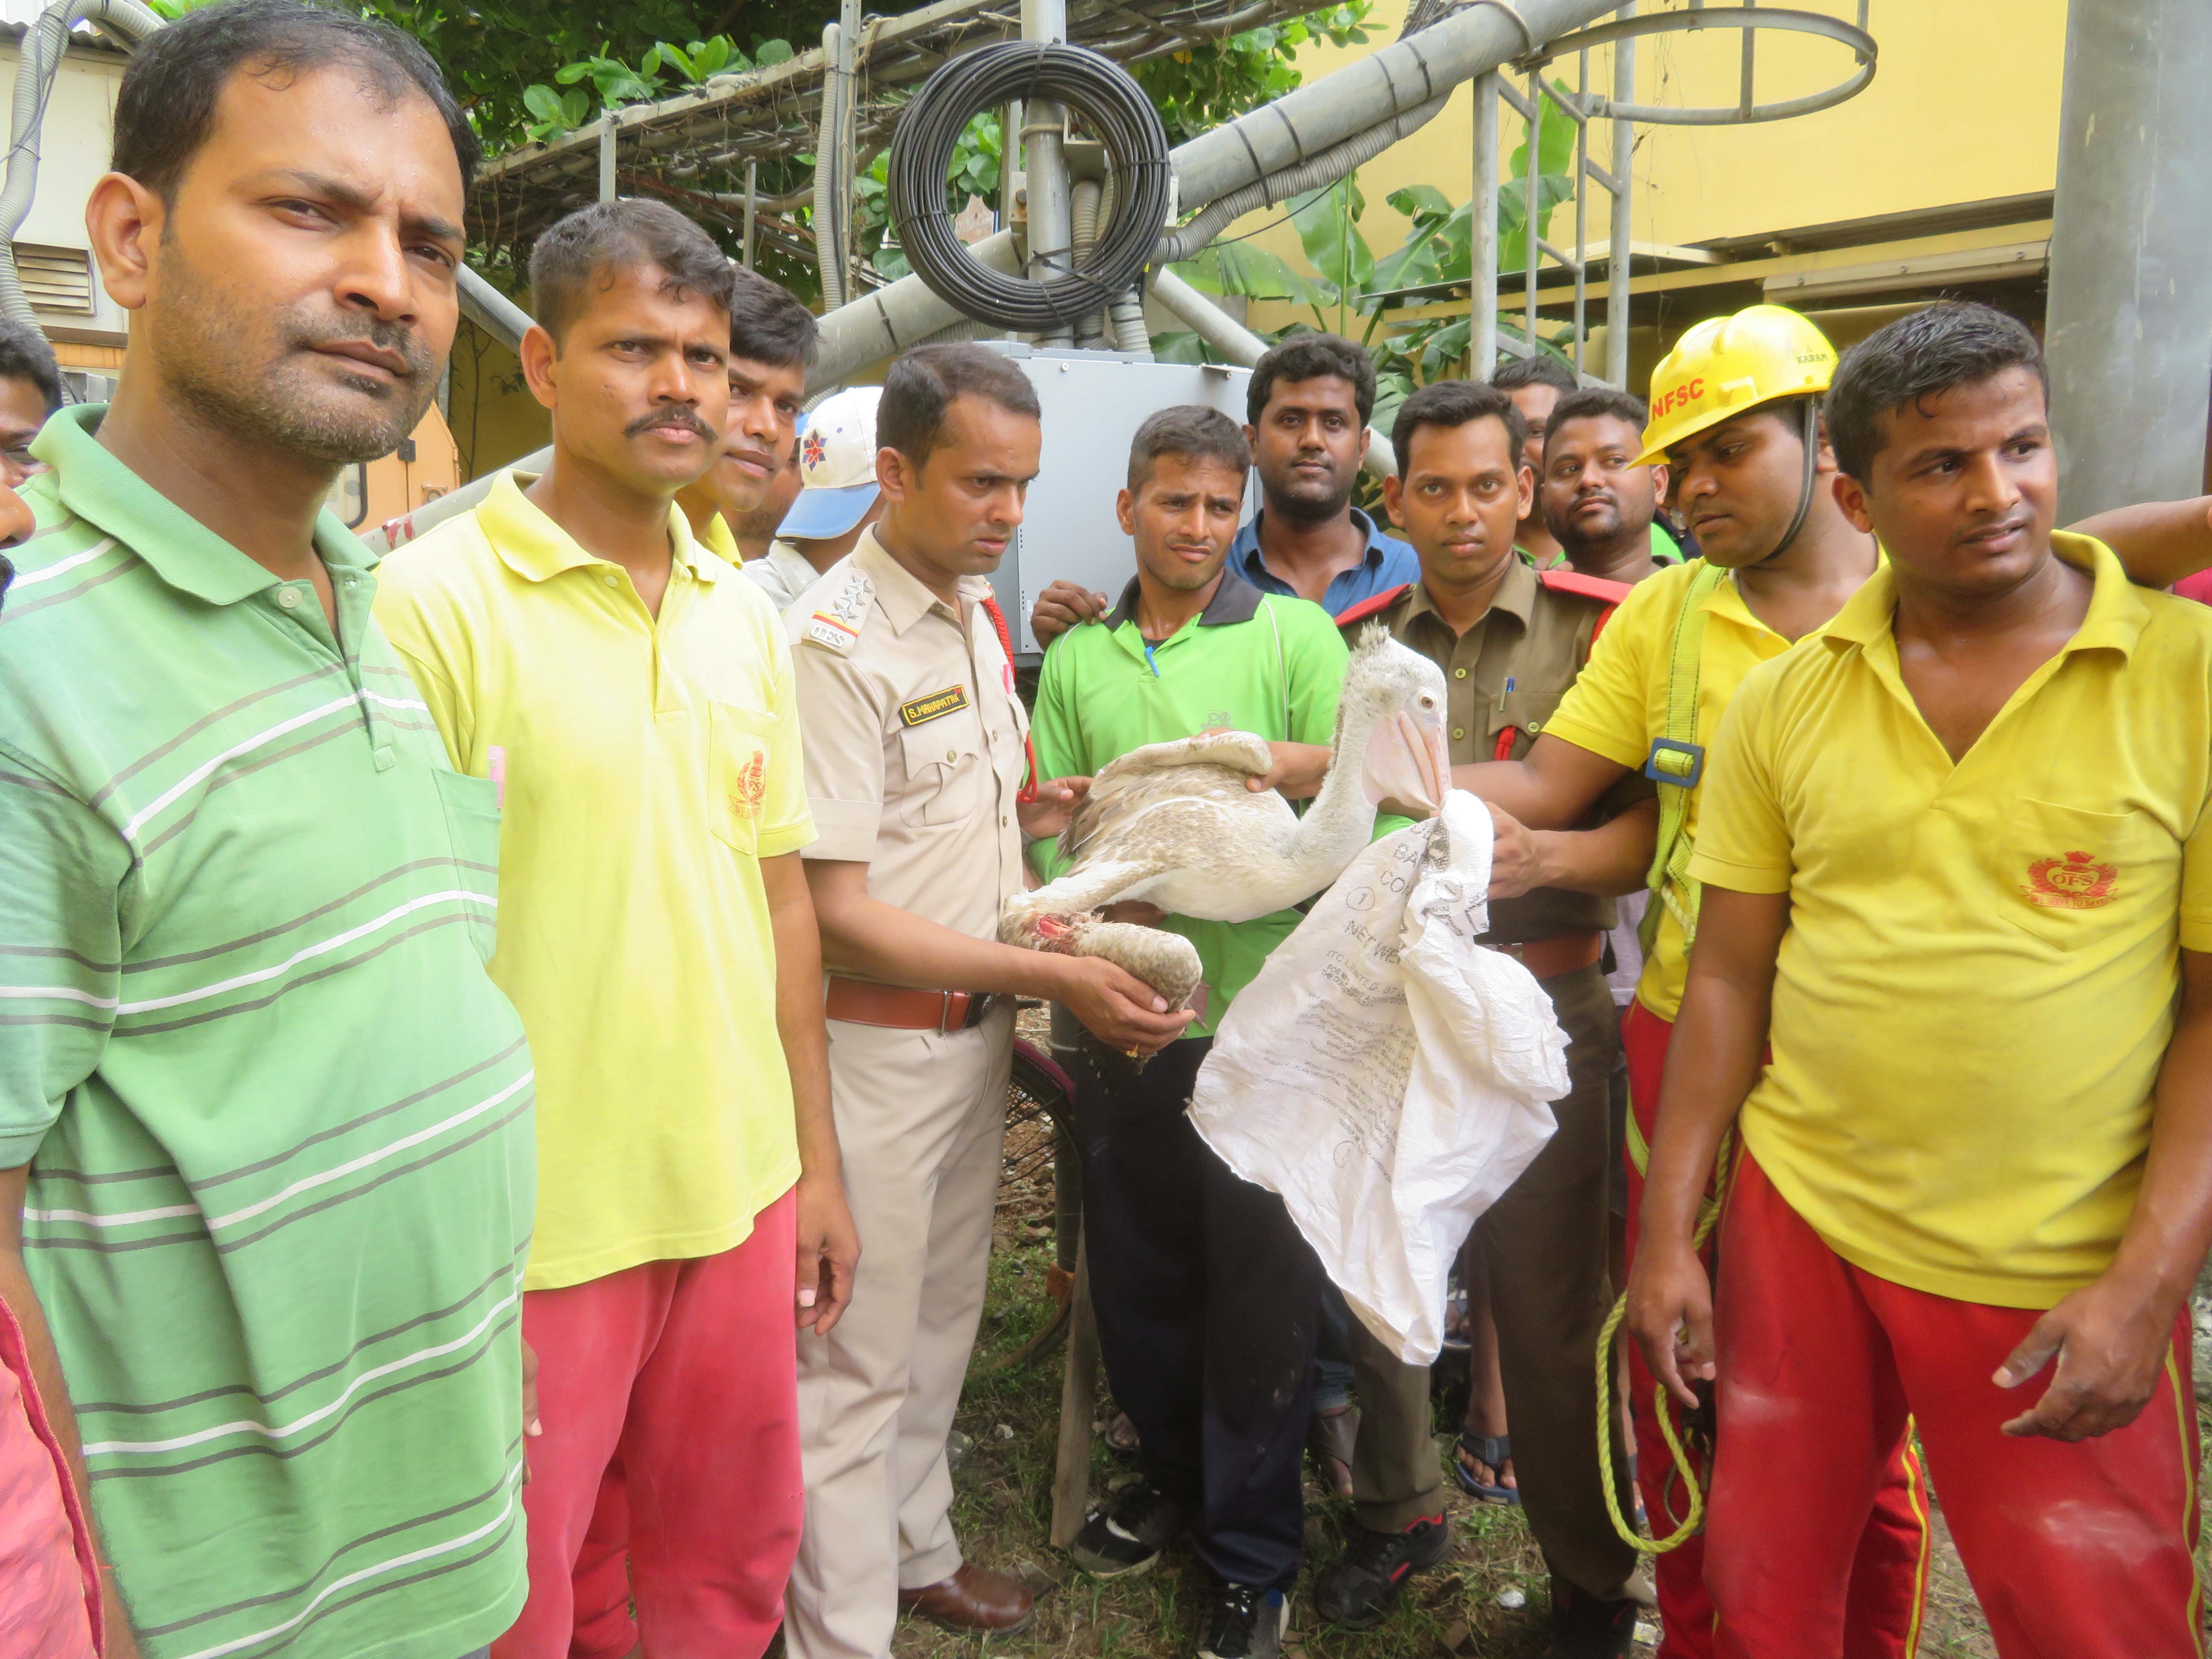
<point>1143,806</point>
<point>1242,751</point>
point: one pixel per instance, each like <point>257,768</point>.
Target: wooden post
<point>1078,1399</point>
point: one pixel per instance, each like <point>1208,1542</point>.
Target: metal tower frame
<point>1621,113</point>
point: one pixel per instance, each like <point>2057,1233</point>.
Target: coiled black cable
<point>1113,107</point>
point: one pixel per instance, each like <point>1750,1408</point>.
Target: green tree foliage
<point>1202,88</point>
<point>531,70</point>
<point>535,68</point>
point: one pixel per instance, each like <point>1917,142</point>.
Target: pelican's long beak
<point>1407,763</point>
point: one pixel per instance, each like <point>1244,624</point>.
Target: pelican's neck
<point>1341,819</point>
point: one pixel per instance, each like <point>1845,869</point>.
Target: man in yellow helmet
<point>1736,417</point>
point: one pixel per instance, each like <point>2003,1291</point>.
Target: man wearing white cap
<point>838,499</point>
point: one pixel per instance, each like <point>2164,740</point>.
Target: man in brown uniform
<point>1511,641</point>
<point>917,762</point>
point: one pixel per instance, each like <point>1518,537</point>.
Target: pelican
<point>1174,824</point>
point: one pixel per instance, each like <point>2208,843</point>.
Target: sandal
<point>1330,1436</point>
<point>1493,1452</point>
<point>1121,1435</point>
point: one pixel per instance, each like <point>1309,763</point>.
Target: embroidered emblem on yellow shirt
<point>748,787</point>
<point>2076,882</point>
<point>953,697</point>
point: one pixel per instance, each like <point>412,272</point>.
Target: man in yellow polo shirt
<point>1957,858</point>
<point>632,696</point>
<point>1735,416</point>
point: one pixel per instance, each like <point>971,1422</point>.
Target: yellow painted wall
<point>398,487</point>
<point>494,418</point>
<point>1963,106</point>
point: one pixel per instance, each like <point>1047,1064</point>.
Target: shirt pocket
<point>738,741</point>
<point>2064,868</point>
<point>944,767</point>
<point>1508,731</point>
<point>473,819</point>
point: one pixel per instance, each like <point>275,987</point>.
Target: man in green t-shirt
<point>1206,1295</point>
<point>264,1120</point>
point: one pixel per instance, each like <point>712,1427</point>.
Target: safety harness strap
<point>1676,764</point>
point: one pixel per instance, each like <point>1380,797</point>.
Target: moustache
<point>398,338</point>
<point>675,418</point>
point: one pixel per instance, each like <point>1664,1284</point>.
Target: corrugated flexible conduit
<point>45,44</point>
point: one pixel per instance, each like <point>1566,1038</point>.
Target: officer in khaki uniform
<point>1506,666</point>
<point>916,756</point>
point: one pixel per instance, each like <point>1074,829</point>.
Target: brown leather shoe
<point>973,1599</point>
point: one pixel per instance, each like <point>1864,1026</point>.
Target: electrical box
<point>1093,403</point>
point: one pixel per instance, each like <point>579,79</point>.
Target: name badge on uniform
<point>936,704</point>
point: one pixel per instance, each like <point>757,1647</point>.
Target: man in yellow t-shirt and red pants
<point>1957,863</point>
<point>1735,416</point>
<point>633,698</point>
<point>1751,474</point>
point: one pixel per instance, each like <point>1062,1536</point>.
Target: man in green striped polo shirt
<point>265,1121</point>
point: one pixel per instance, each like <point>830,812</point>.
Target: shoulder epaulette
<point>836,623</point>
<point>1589,587</point>
<point>1373,606</point>
<point>1610,593</point>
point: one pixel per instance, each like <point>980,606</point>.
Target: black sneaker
<point>1127,1535</point>
<point>1246,1623</point>
<point>1358,1589</point>
<point>1583,1627</point>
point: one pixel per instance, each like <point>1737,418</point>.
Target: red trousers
<point>668,1472</point>
<point>1888,1575</point>
<point>2080,1552</point>
<point>49,1584</point>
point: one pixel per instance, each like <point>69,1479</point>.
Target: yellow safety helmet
<point>1727,365</point>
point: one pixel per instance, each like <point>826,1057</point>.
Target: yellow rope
<point>1709,1215</point>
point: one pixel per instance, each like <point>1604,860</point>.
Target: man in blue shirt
<point>1308,403</point>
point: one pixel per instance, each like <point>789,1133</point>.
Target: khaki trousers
<point>1544,1243</point>
<point>919,1120</point>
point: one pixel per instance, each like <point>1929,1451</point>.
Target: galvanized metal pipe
<point>1051,210</point>
<point>895,316</point>
<point>1241,345</point>
<point>2129,318</point>
<point>492,310</point>
<point>829,255</point>
<point>1624,161</point>
<point>1482,234</point>
<point>752,209</point>
<point>1188,240</point>
<point>1398,77</point>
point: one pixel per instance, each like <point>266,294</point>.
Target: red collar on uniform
<point>1379,602</point>
<point>1591,588</point>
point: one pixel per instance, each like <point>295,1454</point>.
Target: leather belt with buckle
<point>1563,953</point>
<point>862,1002</point>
